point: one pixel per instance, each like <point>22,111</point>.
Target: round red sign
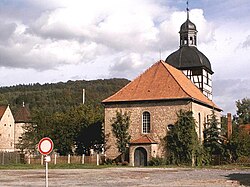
<point>45,146</point>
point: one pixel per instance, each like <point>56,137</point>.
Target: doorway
<point>140,157</point>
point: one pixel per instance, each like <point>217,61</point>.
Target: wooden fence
<point>11,158</point>
<point>56,159</point>
<point>7,158</point>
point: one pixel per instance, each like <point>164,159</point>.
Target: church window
<point>146,122</point>
<point>199,123</point>
<point>170,127</point>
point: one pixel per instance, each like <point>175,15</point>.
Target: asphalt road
<point>127,177</point>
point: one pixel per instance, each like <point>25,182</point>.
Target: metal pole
<point>46,174</point>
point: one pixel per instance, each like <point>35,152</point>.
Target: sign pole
<point>45,147</point>
<point>46,173</point>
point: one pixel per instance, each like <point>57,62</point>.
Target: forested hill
<point>59,96</point>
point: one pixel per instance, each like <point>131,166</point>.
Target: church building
<point>155,97</point>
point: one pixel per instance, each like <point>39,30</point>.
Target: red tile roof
<point>22,115</point>
<point>144,139</point>
<point>2,110</point>
<point>160,82</point>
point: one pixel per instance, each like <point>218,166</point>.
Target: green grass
<point>52,166</point>
<point>92,166</point>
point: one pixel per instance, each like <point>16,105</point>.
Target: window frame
<point>146,122</point>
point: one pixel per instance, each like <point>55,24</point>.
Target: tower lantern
<point>194,64</point>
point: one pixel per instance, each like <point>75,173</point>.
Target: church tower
<point>193,63</point>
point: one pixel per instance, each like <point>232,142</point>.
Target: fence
<point>11,158</point>
<point>7,158</point>
<point>56,159</point>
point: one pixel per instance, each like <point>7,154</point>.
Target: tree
<point>213,140</point>
<point>182,140</point>
<point>120,127</point>
<point>34,131</point>
<point>243,111</point>
<point>239,144</point>
<point>66,129</point>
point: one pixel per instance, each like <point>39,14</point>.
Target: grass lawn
<point>92,166</point>
<point>52,166</point>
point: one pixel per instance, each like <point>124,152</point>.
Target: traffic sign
<point>45,146</point>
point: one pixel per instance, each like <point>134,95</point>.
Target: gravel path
<point>127,177</point>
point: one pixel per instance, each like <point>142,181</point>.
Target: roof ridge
<point>164,64</point>
<point>206,101</point>
<point>138,77</point>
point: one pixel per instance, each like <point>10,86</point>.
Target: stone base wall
<point>162,114</point>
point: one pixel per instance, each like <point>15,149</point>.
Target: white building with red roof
<point>7,123</point>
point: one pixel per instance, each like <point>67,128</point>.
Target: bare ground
<point>127,177</point>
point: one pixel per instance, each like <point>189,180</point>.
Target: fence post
<point>68,158</point>
<point>97,159</point>
<point>42,160</point>
<point>29,159</point>
<point>55,158</point>
<point>83,157</point>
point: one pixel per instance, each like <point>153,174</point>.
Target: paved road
<point>127,177</point>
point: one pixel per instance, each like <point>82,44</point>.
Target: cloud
<point>55,40</point>
<point>227,91</point>
<point>80,32</point>
<point>130,65</point>
<point>246,43</point>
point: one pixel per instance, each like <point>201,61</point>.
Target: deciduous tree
<point>120,127</point>
<point>243,111</point>
<point>182,140</point>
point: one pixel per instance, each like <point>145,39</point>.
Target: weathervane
<point>187,10</point>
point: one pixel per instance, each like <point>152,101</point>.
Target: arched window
<point>146,122</point>
<point>199,123</point>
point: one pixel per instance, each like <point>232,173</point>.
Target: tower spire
<point>187,11</point>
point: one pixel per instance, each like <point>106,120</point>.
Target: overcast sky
<point>49,41</point>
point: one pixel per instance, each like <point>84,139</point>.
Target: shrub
<point>108,161</point>
<point>156,161</point>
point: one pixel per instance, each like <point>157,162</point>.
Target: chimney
<point>83,96</point>
<point>229,125</point>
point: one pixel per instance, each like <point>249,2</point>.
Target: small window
<point>170,127</point>
<point>146,122</point>
<point>4,124</point>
